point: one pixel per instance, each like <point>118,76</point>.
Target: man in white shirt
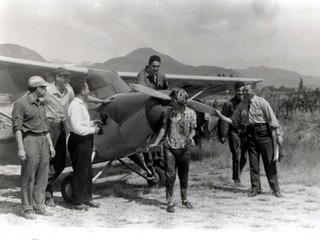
<point>80,145</point>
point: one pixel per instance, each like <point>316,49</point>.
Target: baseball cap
<point>36,81</point>
<point>61,71</point>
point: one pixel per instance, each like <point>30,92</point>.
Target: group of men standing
<point>49,112</point>
<point>40,120</point>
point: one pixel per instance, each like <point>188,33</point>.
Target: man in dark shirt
<point>234,133</point>
<point>151,77</point>
<point>31,130</point>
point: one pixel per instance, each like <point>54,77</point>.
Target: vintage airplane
<point>131,120</point>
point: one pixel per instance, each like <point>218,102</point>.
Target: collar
<point>55,89</point>
<point>77,99</point>
<point>31,100</point>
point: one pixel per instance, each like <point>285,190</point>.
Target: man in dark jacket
<point>235,134</point>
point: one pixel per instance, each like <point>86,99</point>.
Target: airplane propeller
<point>195,105</point>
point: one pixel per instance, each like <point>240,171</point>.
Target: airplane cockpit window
<point>105,92</point>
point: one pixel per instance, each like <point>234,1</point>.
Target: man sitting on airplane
<point>151,77</point>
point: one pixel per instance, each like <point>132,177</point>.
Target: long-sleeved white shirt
<point>78,118</point>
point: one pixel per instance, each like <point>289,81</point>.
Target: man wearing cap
<point>178,129</point>
<point>234,133</point>
<point>57,99</point>
<point>257,115</point>
<point>34,142</point>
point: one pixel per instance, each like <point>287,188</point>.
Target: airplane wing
<point>195,84</point>
<point>15,72</point>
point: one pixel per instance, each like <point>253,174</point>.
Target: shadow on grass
<point>132,192</point>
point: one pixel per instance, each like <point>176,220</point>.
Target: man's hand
<point>96,129</point>
<point>279,140</point>
<point>52,151</point>
<point>22,155</point>
<point>222,140</point>
<point>152,146</point>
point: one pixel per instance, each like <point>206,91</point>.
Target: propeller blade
<point>200,107</point>
<point>149,91</point>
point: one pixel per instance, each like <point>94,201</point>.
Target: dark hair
<point>78,85</point>
<point>32,89</point>
<point>154,58</point>
<point>238,85</point>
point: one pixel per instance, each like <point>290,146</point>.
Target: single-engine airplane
<point>130,121</point>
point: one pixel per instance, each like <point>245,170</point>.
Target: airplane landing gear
<point>66,189</point>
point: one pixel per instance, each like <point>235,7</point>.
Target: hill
<point>136,60</point>
<point>278,77</point>
<point>16,51</point>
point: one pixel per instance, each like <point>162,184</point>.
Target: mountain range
<point>137,59</point>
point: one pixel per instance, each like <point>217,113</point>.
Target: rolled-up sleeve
<point>271,117</point>
<point>17,117</point>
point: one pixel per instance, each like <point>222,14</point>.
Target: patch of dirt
<point>127,202</point>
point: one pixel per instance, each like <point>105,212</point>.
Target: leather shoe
<point>170,209</point>
<point>93,204</point>
<point>43,212</point>
<point>81,207</point>
<point>278,194</point>
<point>253,194</point>
<point>29,214</point>
<point>187,204</point>
<point>50,202</point>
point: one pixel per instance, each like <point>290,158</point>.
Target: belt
<point>54,120</point>
<point>256,125</point>
<point>35,134</point>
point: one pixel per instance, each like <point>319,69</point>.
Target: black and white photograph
<point>139,119</point>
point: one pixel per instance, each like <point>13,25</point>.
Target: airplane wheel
<point>160,176</point>
<point>66,189</point>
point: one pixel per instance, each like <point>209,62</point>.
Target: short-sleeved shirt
<point>178,127</point>
<point>157,81</point>
<point>259,111</point>
<point>57,103</point>
<point>29,116</point>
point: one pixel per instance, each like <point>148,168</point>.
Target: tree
<point>301,88</point>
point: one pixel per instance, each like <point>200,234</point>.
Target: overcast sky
<point>225,33</point>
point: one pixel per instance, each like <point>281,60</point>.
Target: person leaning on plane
<point>31,130</point>
<point>178,129</point>
<point>57,99</point>
<point>80,146</point>
<point>151,77</point>
<point>234,133</point>
<point>257,115</point>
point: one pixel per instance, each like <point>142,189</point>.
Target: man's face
<point>85,91</point>
<point>154,67</point>
<point>248,92</point>
<point>41,91</point>
<point>239,93</point>
<point>62,80</point>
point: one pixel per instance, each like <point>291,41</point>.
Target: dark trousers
<point>58,163</point>
<point>176,159</point>
<point>238,148</point>
<point>34,172</point>
<point>260,143</point>
<point>80,148</point>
